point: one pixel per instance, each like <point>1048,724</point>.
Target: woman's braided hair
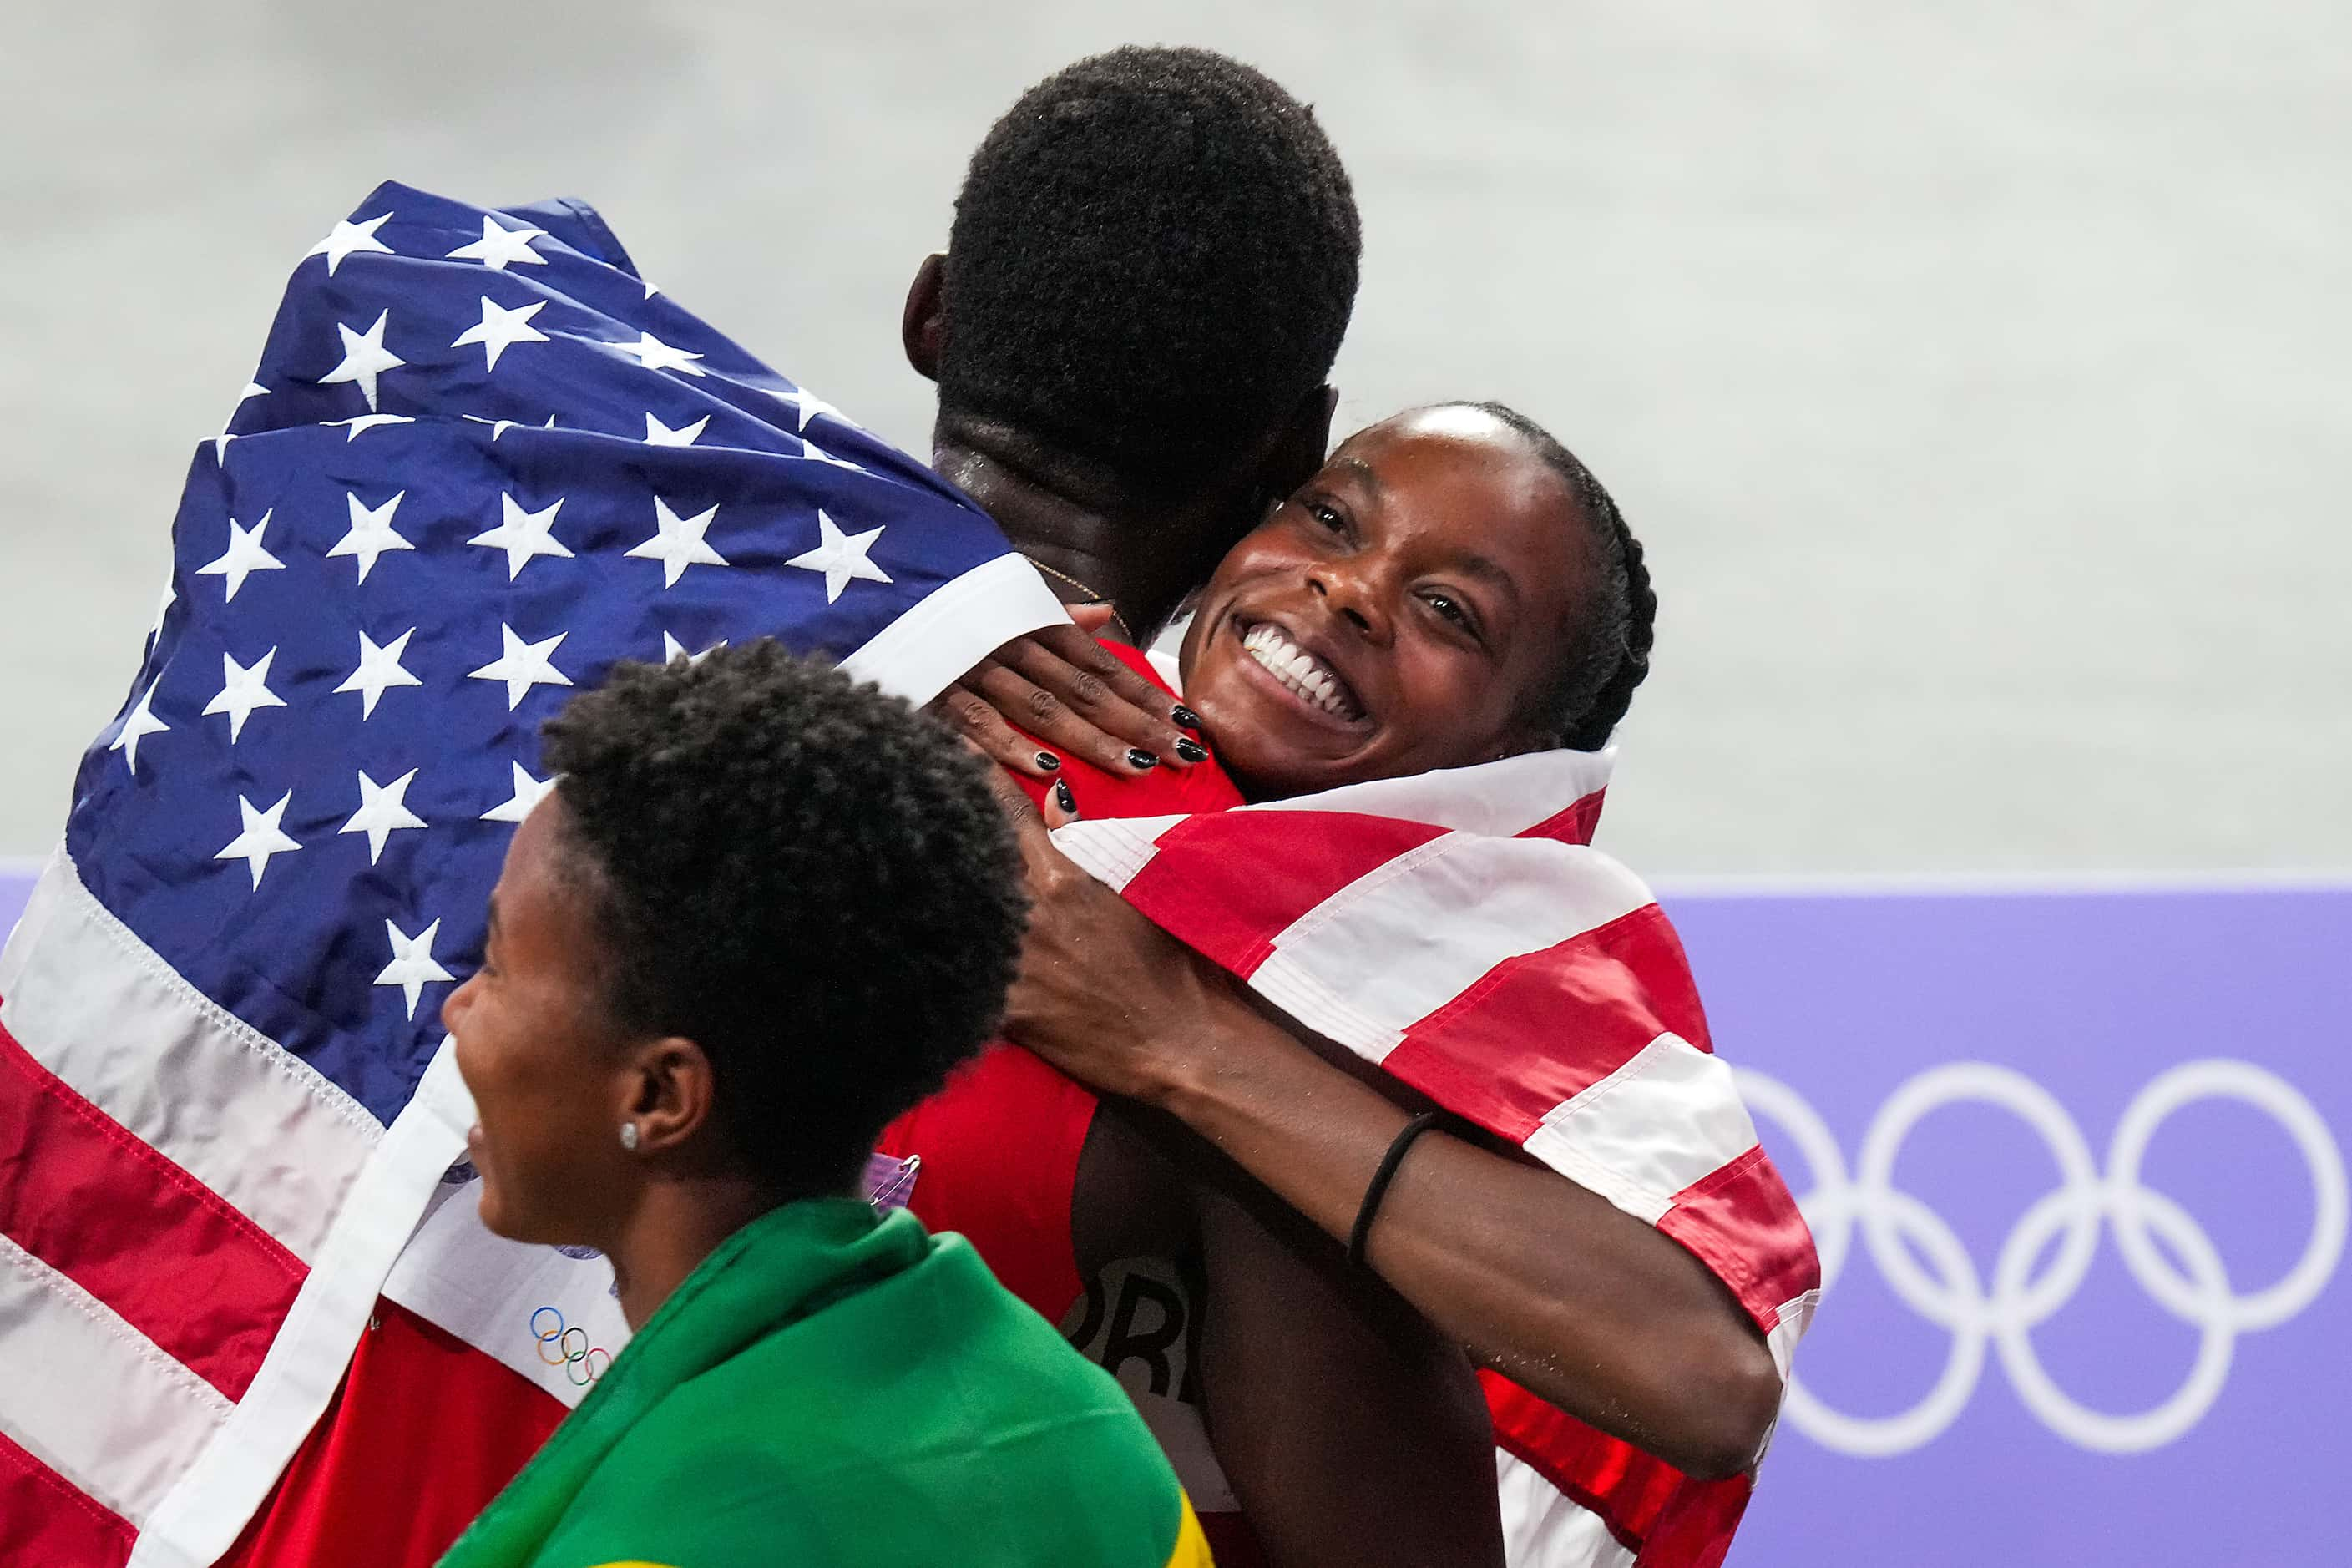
<point>1611,655</point>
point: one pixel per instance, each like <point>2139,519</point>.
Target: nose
<point>1351,590</point>
<point>453,1007</point>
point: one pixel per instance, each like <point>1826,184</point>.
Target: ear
<point>1299,446</point>
<point>673,1095</point>
<point>922,325</point>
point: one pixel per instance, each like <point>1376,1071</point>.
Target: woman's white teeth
<point>1298,670</point>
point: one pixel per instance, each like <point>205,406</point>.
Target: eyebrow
<point>491,929</point>
<point>1364,475</point>
<point>1477,565</point>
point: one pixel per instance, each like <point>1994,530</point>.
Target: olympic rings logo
<point>1949,1292</point>
<point>572,1351</point>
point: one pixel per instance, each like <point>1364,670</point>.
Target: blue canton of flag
<point>480,461</point>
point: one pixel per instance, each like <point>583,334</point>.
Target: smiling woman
<point>1453,588</point>
<point>1418,653</point>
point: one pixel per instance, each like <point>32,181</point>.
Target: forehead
<point>538,895</point>
<point>530,853</point>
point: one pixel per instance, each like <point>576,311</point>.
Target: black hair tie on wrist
<point>1362,1232</point>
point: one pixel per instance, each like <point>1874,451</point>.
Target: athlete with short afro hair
<point>764,908</point>
<point>804,877</point>
<point>1200,273</point>
<point>1152,262</point>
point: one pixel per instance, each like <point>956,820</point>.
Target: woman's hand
<point>1068,690</point>
<point>1103,994</point>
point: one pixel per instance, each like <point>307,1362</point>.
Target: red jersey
<point>1000,1148</point>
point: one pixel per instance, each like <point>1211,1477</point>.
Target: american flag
<point>1458,930</point>
<point>480,461</point>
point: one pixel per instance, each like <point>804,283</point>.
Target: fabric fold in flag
<point>480,462</point>
<point>1457,929</point>
<point>1508,970</point>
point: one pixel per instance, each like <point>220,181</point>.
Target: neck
<point>1143,554</point>
<point>676,1225</point>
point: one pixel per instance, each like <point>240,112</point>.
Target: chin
<point>1278,777</point>
<point>1252,752</point>
<point>515,1221</point>
<point>494,1216</point>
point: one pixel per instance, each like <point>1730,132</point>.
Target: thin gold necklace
<point>1096,595</point>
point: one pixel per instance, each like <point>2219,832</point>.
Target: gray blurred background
<point>1976,374</point>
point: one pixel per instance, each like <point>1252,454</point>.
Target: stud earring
<point>629,1135</point>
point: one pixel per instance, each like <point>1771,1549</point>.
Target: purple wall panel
<point>2184,1400</point>
<point>16,887</point>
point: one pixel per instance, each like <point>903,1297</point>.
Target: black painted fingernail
<point>1064,798</point>
<point>1139,759</point>
<point>1185,717</point>
<point>1191,751</point>
<point>1048,761</point>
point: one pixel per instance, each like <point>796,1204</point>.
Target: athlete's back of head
<point>1152,263</point>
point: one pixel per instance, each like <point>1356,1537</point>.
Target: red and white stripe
<point>193,1227</point>
<point>1457,929</point>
